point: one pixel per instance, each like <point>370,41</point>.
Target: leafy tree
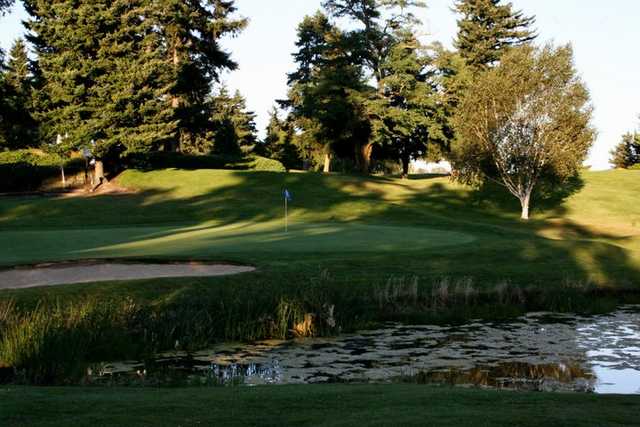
<point>627,153</point>
<point>525,122</point>
<point>487,28</point>
<point>234,126</point>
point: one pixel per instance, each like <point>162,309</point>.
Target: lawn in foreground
<point>343,405</point>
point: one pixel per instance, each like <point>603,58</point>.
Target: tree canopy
<point>524,122</point>
<point>487,28</point>
<point>627,152</point>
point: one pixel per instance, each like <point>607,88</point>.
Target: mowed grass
<point>355,226</point>
<point>356,244</point>
<point>320,405</point>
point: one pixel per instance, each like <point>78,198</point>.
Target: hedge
<point>26,170</point>
<point>167,160</point>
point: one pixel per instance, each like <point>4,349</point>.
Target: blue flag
<point>287,195</point>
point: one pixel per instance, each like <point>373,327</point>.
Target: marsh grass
<point>55,342</point>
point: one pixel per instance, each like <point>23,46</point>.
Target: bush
<point>258,163</point>
<point>635,167</point>
<point>26,170</point>
<point>166,160</point>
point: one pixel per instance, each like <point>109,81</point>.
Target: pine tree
<point>405,111</point>
<point>5,5</point>
<point>627,153</point>
<point>192,31</point>
<point>128,105</point>
<point>21,128</point>
<point>279,142</point>
<point>328,90</point>
<point>487,28</point>
<point>234,129</point>
<point>68,74</point>
<point>373,41</point>
<point>111,88</point>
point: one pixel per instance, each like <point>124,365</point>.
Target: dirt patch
<point>68,273</point>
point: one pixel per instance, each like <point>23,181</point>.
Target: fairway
<point>217,242</point>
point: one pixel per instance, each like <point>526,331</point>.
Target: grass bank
<point>360,251</point>
<point>329,405</point>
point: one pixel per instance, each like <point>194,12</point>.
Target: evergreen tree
<point>234,129</point>
<point>627,153</point>
<point>328,90</point>
<point>128,104</point>
<point>192,31</point>
<point>373,41</point>
<point>5,5</point>
<point>63,103</point>
<point>21,128</point>
<point>279,143</point>
<point>111,88</point>
<point>405,112</point>
<point>487,28</point>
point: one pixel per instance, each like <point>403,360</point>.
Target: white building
<point>421,166</point>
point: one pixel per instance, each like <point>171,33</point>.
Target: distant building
<point>421,166</point>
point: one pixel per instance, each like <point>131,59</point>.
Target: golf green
<point>215,241</point>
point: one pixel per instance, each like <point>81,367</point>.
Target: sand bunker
<point>67,273</point>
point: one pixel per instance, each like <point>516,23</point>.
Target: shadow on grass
<point>504,247</point>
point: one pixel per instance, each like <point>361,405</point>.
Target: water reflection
<point>540,351</point>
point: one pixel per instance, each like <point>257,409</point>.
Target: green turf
<point>332,405</point>
<point>352,225</point>
<point>210,241</point>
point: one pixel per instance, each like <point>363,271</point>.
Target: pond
<point>539,351</point>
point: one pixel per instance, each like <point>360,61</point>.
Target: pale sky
<point>604,34</point>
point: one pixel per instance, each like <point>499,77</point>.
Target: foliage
<point>138,75</point>
<point>627,154</point>
<point>326,95</point>
<point>26,170</point>
<point>487,29</point>
<point>167,160</point>
<point>523,122</point>
<point>279,143</point>
<point>405,111</point>
<point>234,128</point>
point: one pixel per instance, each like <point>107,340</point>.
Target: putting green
<point>216,241</point>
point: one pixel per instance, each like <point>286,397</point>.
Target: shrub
<point>166,160</point>
<point>26,170</point>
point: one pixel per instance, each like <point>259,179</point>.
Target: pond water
<point>539,351</point>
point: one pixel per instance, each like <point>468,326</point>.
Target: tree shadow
<point>503,247</point>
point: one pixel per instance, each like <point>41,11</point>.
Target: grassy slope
<point>343,224</point>
<point>317,405</point>
<point>222,215</point>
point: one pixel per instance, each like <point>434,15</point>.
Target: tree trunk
<point>99,174</point>
<point>64,179</point>
<point>405,166</point>
<point>367,149</point>
<point>524,202</point>
<point>327,163</point>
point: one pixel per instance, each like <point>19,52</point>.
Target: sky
<point>604,35</point>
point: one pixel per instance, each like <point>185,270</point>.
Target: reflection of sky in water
<point>539,351</point>
<point>612,346</point>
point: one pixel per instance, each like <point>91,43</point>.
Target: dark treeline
<point>368,93</point>
<point>124,76</point>
<point>137,76</point>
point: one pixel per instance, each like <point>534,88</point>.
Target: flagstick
<point>286,216</point>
